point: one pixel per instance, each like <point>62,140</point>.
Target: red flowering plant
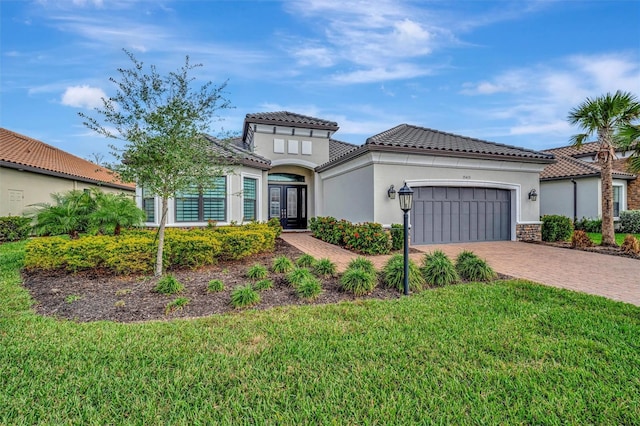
<point>367,238</point>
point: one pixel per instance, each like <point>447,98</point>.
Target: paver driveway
<point>615,277</point>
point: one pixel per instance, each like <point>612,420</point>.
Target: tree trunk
<point>605,159</point>
<point>163,221</point>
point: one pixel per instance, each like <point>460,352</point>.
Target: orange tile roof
<point>38,157</point>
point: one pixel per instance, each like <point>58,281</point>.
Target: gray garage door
<point>452,214</point>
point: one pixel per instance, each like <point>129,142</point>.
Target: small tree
<point>161,120</point>
<point>605,116</point>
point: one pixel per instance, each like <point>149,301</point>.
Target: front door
<point>289,204</point>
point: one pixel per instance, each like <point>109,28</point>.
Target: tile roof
<point>570,165</point>
<point>291,119</point>
<point>338,148</point>
<point>235,150</point>
<point>19,151</point>
<point>408,137</point>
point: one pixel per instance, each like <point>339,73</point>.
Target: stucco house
<point>291,167</point>
<point>572,187</point>
<point>31,170</point>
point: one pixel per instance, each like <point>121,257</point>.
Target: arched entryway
<point>288,199</point>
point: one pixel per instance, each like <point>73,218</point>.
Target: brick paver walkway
<point>615,277</point>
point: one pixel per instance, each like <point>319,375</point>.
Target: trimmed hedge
<point>364,238</point>
<point>630,221</point>
<point>134,252</point>
<point>14,228</point>
<point>556,228</point>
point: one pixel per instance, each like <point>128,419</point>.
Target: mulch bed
<point>611,251</point>
<point>93,297</point>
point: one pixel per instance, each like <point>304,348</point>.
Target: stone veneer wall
<point>633,186</point>
<point>529,232</point>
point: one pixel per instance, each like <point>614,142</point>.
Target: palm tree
<point>113,212</point>
<point>605,115</point>
<point>69,215</point>
<point>629,137</point>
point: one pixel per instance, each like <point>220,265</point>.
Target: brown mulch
<point>611,251</point>
<point>92,297</point>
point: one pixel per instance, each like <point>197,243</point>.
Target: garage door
<point>453,214</point>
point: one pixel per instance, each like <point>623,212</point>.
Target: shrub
<point>244,296</point>
<point>362,263</point>
<point>215,286</point>
<point>306,261</point>
<point>168,285</point>
<point>45,253</point>
<point>580,239</point>
<point>358,281</point>
<point>630,221</point>
<point>297,275</point>
<point>438,270</point>
<point>588,225</point>
<point>329,229</point>
<point>472,268</point>
<point>367,238</point>
<point>397,236</point>
<point>556,228</point>
<point>257,272</point>
<point>176,305</point>
<point>282,265</point>
<point>14,228</point>
<point>631,245</point>
<point>393,274</point>
<point>239,242</point>
<point>190,249</point>
<point>325,267</point>
<point>309,288</point>
<point>274,224</point>
<point>263,285</point>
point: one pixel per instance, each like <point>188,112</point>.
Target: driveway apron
<point>614,277</point>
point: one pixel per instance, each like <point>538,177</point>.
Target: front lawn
<point>596,237</point>
<point>510,352</point>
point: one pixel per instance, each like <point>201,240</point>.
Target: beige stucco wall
<point>264,146</point>
<point>20,189</point>
<point>556,197</point>
<point>369,176</point>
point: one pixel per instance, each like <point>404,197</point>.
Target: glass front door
<point>289,204</point>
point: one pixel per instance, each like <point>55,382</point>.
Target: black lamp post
<point>405,195</point>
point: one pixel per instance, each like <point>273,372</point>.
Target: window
<point>148,205</point>
<point>250,197</point>
<point>199,205</point>
<point>617,191</point>
<point>285,177</point>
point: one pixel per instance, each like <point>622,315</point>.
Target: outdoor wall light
<point>533,195</point>
<point>391,193</point>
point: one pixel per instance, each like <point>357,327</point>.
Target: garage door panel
<point>453,214</point>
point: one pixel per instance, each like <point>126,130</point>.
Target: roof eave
<point>290,124</point>
<point>46,172</point>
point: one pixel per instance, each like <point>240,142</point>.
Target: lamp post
<point>405,195</point>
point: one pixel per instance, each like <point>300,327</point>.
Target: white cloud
<point>396,72</point>
<point>535,98</point>
<point>83,97</point>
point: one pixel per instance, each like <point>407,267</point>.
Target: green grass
<point>596,237</point>
<point>510,352</point>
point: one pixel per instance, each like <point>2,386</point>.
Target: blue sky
<point>503,71</point>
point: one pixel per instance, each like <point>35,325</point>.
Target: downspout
<point>575,200</point>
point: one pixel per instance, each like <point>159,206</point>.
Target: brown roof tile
<point>19,150</point>
<point>291,119</point>
<point>567,166</point>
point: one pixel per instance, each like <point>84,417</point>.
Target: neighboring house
<point>30,171</point>
<point>572,187</point>
<point>291,167</point>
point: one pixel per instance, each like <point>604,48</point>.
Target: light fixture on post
<point>405,195</point>
<point>391,192</point>
<point>533,195</point>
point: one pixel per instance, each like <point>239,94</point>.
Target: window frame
<point>201,202</point>
<point>257,200</point>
